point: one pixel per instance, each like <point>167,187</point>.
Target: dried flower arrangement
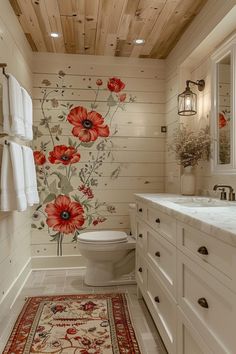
<point>191,146</point>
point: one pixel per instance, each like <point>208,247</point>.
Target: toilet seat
<point>103,237</point>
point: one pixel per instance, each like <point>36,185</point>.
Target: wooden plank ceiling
<point>106,27</point>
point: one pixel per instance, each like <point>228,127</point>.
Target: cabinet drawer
<point>161,254</point>
<point>215,256</point>
<point>208,304</point>
<point>189,340</point>
<point>141,235</point>
<point>163,223</point>
<point>163,310</point>
<point>140,270</point>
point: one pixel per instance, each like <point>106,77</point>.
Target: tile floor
<point>71,282</point>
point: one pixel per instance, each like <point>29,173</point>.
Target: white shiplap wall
<point>138,146</point>
<point>15,227</point>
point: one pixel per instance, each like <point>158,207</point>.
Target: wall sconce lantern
<point>187,100</point>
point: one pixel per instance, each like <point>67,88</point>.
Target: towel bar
<point>3,66</point>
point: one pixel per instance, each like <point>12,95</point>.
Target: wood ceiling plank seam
<point>176,26</point>
<point>152,13</point>
<point>32,24</point>
<point>99,25</point>
<point>43,20</point>
<point>105,14</point>
<point>157,31</point>
<point>78,7</point>
<point>55,25</point>
<point>66,15</point>
<point>125,45</point>
<point>91,15</point>
<point>113,27</point>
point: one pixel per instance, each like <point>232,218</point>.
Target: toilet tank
<point>132,218</point>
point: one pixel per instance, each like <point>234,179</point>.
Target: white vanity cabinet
<point>187,278</point>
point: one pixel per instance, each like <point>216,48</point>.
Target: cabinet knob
<point>158,221</point>
<point>140,210</point>
<point>157,254</point>
<point>140,269</point>
<point>156,298</point>
<point>203,302</point>
<point>203,250</point>
<point>140,235</point>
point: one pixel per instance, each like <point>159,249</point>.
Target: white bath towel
<point>12,179</point>
<point>6,107</point>
<point>30,176</point>
<point>16,107</point>
<point>28,114</point>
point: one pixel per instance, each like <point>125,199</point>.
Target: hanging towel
<point>30,176</point>
<point>12,179</point>
<point>28,114</point>
<point>16,107</point>
<point>6,107</point>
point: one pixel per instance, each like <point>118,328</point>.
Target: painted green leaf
<point>50,197</point>
<point>64,184</point>
<point>110,101</point>
<point>33,226</point>
<point>53,187</point>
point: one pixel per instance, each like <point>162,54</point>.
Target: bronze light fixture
<point>187,100</point>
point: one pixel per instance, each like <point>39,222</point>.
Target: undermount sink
<point>195,202</point>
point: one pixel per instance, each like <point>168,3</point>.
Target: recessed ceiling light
<point>139,41</point>
<point>54,35</point>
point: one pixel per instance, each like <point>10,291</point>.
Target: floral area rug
<point>74,324</point>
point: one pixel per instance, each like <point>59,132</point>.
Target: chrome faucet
<point>223,195</point>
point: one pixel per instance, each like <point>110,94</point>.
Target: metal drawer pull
<point>140,269</point>
<point>156,298</point>
<point>140,235</point>
<point>158,221</point>
<point>202,302</point>
<point>158,254</point>
<point>140,210</point>
<point>203,250</point>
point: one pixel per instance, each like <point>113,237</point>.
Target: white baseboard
<point>15,288</point>
<point>57,262</point>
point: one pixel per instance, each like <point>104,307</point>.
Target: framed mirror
<point>223,108</point>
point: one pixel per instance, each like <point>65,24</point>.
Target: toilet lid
<point>103,236</point>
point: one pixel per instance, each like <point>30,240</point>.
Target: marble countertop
<point>212,216</point>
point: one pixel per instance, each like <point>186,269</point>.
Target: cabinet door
<point>210,306</point>
<point>163,223</point>
<point>189,340</point>
<point>140,271</point>
<point>163,309</point>
<point>161,254</point>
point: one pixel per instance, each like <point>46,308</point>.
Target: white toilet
<point>110,255</point>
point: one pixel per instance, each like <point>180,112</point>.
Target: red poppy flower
<point>64,215</point>
<point>64,154</point>
<point>115,85</point>
<point>99,82</point>
<point>39,158</point>
<point>222,120</point>
<point>88,125</point>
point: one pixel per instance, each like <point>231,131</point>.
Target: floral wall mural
<point>74,147</point>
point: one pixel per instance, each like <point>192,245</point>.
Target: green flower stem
<point>117,107</point>
<point>92,170</point>
<point>107,112</point>
<point>44,115</point>
<point>96,96</point>
<point>59,244</point>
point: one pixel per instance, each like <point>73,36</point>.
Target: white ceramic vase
<point>188,181</point>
